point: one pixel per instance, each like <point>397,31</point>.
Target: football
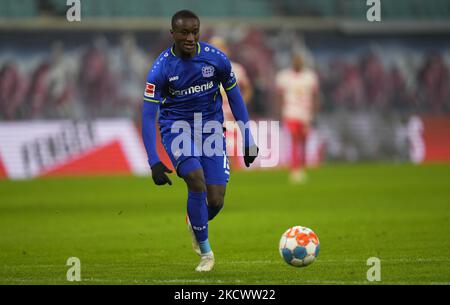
<point>299,246</point>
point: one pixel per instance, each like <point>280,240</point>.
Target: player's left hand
<point>250,154</point>
<point>159,176</point>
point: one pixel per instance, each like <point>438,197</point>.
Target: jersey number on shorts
<point>226,164</point>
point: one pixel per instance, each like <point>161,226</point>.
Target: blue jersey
<point>184,86</point>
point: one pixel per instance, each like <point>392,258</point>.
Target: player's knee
<point>216,203</point>
<point>192,173</point>
<point>195,181</point>
<point>215,200</point>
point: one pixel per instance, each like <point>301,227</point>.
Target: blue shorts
<point>213,158</point>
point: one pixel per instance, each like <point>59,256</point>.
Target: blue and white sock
<point>198,216</point>
<point>204,247</point>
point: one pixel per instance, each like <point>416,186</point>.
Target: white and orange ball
<point>299,246</point>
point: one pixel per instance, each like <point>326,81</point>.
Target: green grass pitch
<point>125,230</point>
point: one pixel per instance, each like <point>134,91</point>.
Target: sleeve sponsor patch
<point>149,90</point>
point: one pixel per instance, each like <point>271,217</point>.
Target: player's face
<point>185,35</point>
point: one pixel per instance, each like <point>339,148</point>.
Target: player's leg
<point>192,173</point>
<point>303,131</point>
<point>190,169</point>
<point>298,151</point>
<point>299,176</point>
<point>293,128</point>
<point>215,199</point>
<point>217,173</point>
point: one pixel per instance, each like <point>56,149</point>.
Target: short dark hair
<point>183,14</point>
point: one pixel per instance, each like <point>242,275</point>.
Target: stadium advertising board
<point>44,148</point>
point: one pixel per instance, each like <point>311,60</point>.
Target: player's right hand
<point>159,176</point>
<point>250,154</point>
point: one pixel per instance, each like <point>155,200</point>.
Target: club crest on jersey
<point>208,71</point>
<point>149,90</point>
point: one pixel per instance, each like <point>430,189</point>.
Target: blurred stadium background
<point>70,92</point>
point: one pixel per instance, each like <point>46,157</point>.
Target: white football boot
<point>206,262</point>
<point>195,244</point>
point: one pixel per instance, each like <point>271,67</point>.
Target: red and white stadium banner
<point>30,149</point>
<point>429,138</point>
<point>54,148</point>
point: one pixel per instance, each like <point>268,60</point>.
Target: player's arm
<point>240,114</point>
<point>239,111</point>
<point>152,99</point>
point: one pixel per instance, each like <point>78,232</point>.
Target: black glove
<point>250,154</point>
<point>159,176</point>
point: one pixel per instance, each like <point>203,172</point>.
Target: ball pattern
<point>299,246</point>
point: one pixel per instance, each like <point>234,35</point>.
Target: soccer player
<point>183,83</point>
<point>298,89</point>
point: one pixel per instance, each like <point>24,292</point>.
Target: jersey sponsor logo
<point>173,78</point>
<point>192,89</point>
<point>149,90</point>
<point>208,71</point>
